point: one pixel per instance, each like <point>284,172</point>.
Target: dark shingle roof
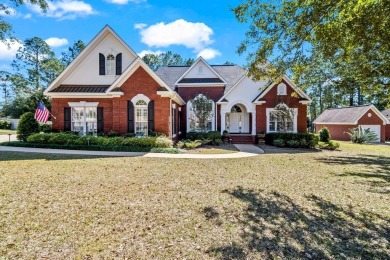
<point>201,80</point>
<point>81,88</point>
<point>342,115</point>
<point>386,113</point>
<point>231,74</point>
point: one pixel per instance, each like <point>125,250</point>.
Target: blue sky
<point>190,28</point>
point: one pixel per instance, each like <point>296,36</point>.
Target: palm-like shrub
<point>360,135</point>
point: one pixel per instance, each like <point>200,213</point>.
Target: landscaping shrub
<point>112,134</point>
<point>180,144</point>
<point>129,135</point>
<point>360,135</point>
<point>27,126</point>
<point>155,134</point>
<point>46,128</point>
<point>63,138</point>
<point>163,142</point>
<point>140,141</point>
<point>39,138</point>
<point>324,135</point>
<point>279,143</point>
<point>331,145</point>
<point>165,150</point>
<point>293,144</point>
<point>310,140</point>
<point>5,124</point>
<point>192,144</point>
<point>192,136</point>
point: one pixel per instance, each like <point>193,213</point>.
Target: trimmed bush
<point>279,143</point>
<point>331,145</point>
<point>27,126</point>
<point>306,140</point>
<point>5,124</point>
<point>164,142</point>
<point>293,144</point>
<point>39,138</point>
<point>165,150</point>
<point>112,134</point>
<point>63,138</point>
<point>140,141</point>
<point>192,144</point>
<point>180,144</point>
<point>324,135</point>
<point>46,128</point>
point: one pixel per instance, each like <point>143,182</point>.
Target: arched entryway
<point>238,120</point>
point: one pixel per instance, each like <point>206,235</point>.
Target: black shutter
<point>118,64</point>
<point>180,123</point>
<point>102,64</point>
<point>151,115</point>
<point>67,119</point>
<point>130,117</point>
<point>100,120</point>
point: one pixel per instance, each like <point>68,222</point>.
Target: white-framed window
<point>200,114</point>
<point>110,64</point>
<point>282,89</point>
<point>84,117</point>
<point>282,119</point>
<point>141,118</point>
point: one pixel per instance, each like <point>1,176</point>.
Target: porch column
<point>223,121</point>
<point>253,113</point>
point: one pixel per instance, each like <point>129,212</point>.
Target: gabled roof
<point>230,73</point>
<point>347,115</point>
<point>199,60</point>
<point>303,95</point>
<point>386,113</point>
<point>85,52</point>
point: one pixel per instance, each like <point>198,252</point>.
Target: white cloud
<point>56,42</point>
<point>144,52</point>
<point>180,32</point>
<point>124,2</point>
<point>64,9</point>
<point>140,25</point>
<point>8,11</point>
<point>27,16</point>
<point>209,53</point>
<point>8,49</point>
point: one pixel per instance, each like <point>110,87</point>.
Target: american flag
<point>42,113</point>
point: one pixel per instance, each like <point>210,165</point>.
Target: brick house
<point>109,88</point>
<point>340,120</point>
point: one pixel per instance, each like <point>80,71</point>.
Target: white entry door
<point>375,128</point>
<point>239,123</point>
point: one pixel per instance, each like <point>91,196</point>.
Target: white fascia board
<point>305,102</point>
<point>259,102</point>
<point>172,95</point>
<point>194,64</point>
<point>379,114</point>
<point>188,85</point>
<point>81,95</point>
<point>335,123</point>
<point>292,84</point>
<point>231,89</point>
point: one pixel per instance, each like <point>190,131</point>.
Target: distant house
<point>108,87</point>
<point>340,120</point>
<point>387,115</point>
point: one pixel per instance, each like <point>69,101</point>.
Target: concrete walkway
<point>246,150</point>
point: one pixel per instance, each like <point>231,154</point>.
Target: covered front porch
<point>238,119</point>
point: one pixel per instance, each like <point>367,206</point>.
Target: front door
<point>239,123</point>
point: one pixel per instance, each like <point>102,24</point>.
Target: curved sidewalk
<point>246,150</point>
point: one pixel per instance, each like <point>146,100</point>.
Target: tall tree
<point>5,27</point>
<point>166,59</point>
<point>72,52</point>
<point>289,32</point>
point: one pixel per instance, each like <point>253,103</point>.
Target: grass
<point>320,205</point>
<point>6,132</point>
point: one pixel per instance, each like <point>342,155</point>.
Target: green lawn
<point>319,205</point>
<point>5,132</point>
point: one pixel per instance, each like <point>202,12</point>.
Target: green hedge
<point>88,140</point>
<point>293,140</point>
<point>212,136</point>
<point>4,124</point>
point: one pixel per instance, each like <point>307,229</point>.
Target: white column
<point>223,120</point>
<point>254,122</point>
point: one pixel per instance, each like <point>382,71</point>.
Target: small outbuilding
<point>340,120</point>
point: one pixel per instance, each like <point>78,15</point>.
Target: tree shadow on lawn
<point>274,226</point>
<point>283,150</point>
<point>23,156</point>
<point>374,167</point>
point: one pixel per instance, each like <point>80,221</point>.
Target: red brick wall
<point>337,132</point>
<point>387,132</point>
<point>272,99</point>
<point>115,109</point>
<point>58,104</point>
<point>188,93</point>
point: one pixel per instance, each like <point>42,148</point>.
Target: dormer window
<point>282,89</point>
<point>110,64</point>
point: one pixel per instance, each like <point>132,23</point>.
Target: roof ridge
<point>333,108</point>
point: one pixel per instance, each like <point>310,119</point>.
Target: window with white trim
<point>84,118</point>
<point>110,64</point>
<point>282,89</point>
<point>282,119</point>
<point>200,111</point>
<point>141,118</point>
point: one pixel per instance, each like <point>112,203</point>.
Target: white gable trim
<point>379,114</point>
<point>85,52</point>
<point>208,66</point>
<point>139,97</point>
<point>231,89</point>
<point>292,85</point>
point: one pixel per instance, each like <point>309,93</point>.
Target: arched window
<point>282,89</point>
<point>282,119</point>
<point>141,118</point>
<point>110,64</point>
<point>200,111</point>
<point>236,109</point>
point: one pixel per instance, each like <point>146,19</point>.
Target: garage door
<point>375,128</point>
